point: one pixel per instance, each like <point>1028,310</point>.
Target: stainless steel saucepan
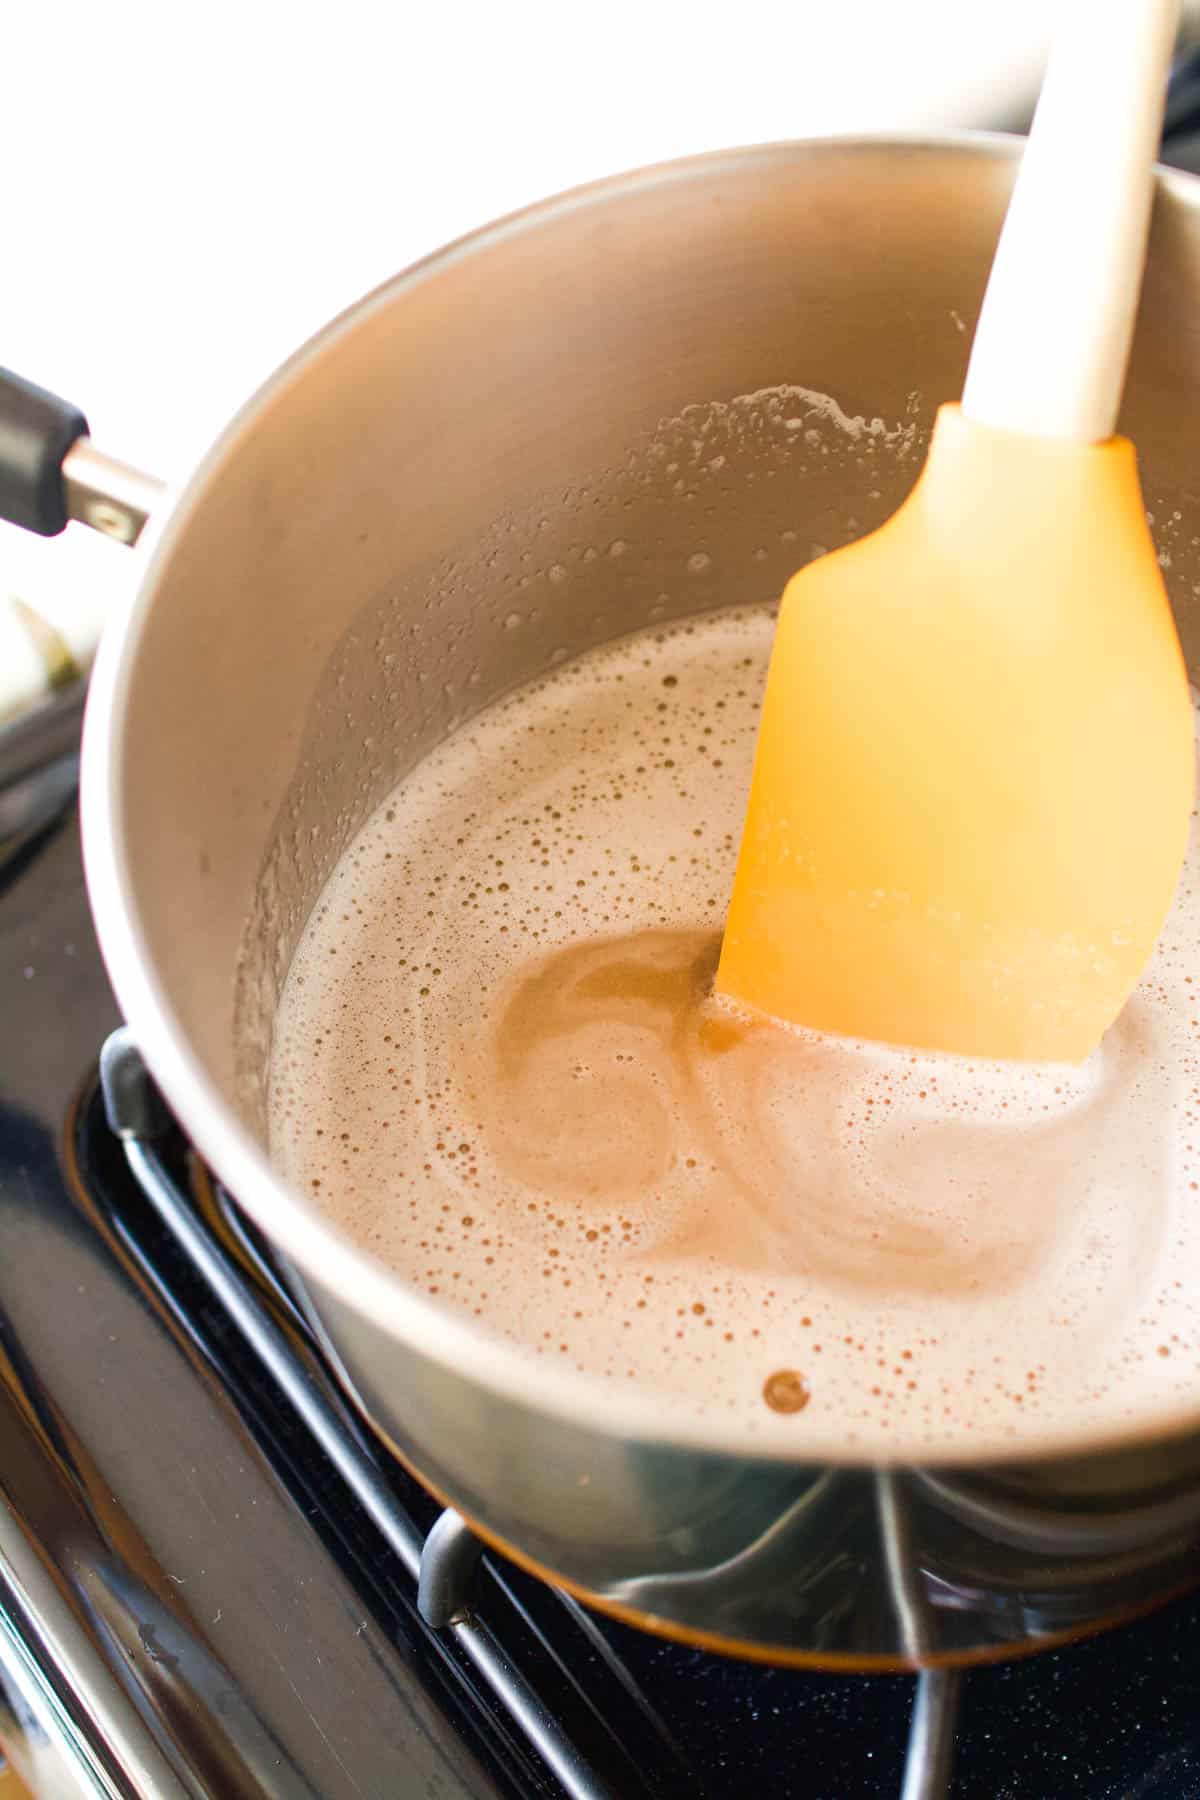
<point>337,587</point>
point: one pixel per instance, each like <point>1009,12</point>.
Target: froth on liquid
<point>499,1068</point>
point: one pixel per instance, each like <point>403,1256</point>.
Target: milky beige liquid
<point>499,1068</point>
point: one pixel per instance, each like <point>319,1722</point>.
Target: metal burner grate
<point>446,1561</point>
<point>194,1600</point>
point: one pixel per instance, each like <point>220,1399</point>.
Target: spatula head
<point>975,767</point>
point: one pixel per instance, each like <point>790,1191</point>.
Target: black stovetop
<point>211,1610</point>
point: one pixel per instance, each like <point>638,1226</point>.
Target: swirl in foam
<point>498,1067</point>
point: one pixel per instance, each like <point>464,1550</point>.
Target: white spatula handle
<point>1053,337</point>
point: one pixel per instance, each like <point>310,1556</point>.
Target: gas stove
<point>213,1581</point>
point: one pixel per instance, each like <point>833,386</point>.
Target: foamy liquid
<point>497,1069</point>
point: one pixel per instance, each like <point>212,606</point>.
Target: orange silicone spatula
<point>974,770</point>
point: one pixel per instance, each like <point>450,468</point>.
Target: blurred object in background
<point>11,1785</point>
<point>1181,127</point>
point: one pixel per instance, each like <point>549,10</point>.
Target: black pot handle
<point>37,430</point>
<point>51,472</point>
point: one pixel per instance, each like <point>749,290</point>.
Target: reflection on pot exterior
<point>837,1567</point>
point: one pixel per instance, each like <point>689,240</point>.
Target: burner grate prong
<point>929,1764</point>
<point>449,1560</point>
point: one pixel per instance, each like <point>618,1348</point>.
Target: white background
<point>191,189</point>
